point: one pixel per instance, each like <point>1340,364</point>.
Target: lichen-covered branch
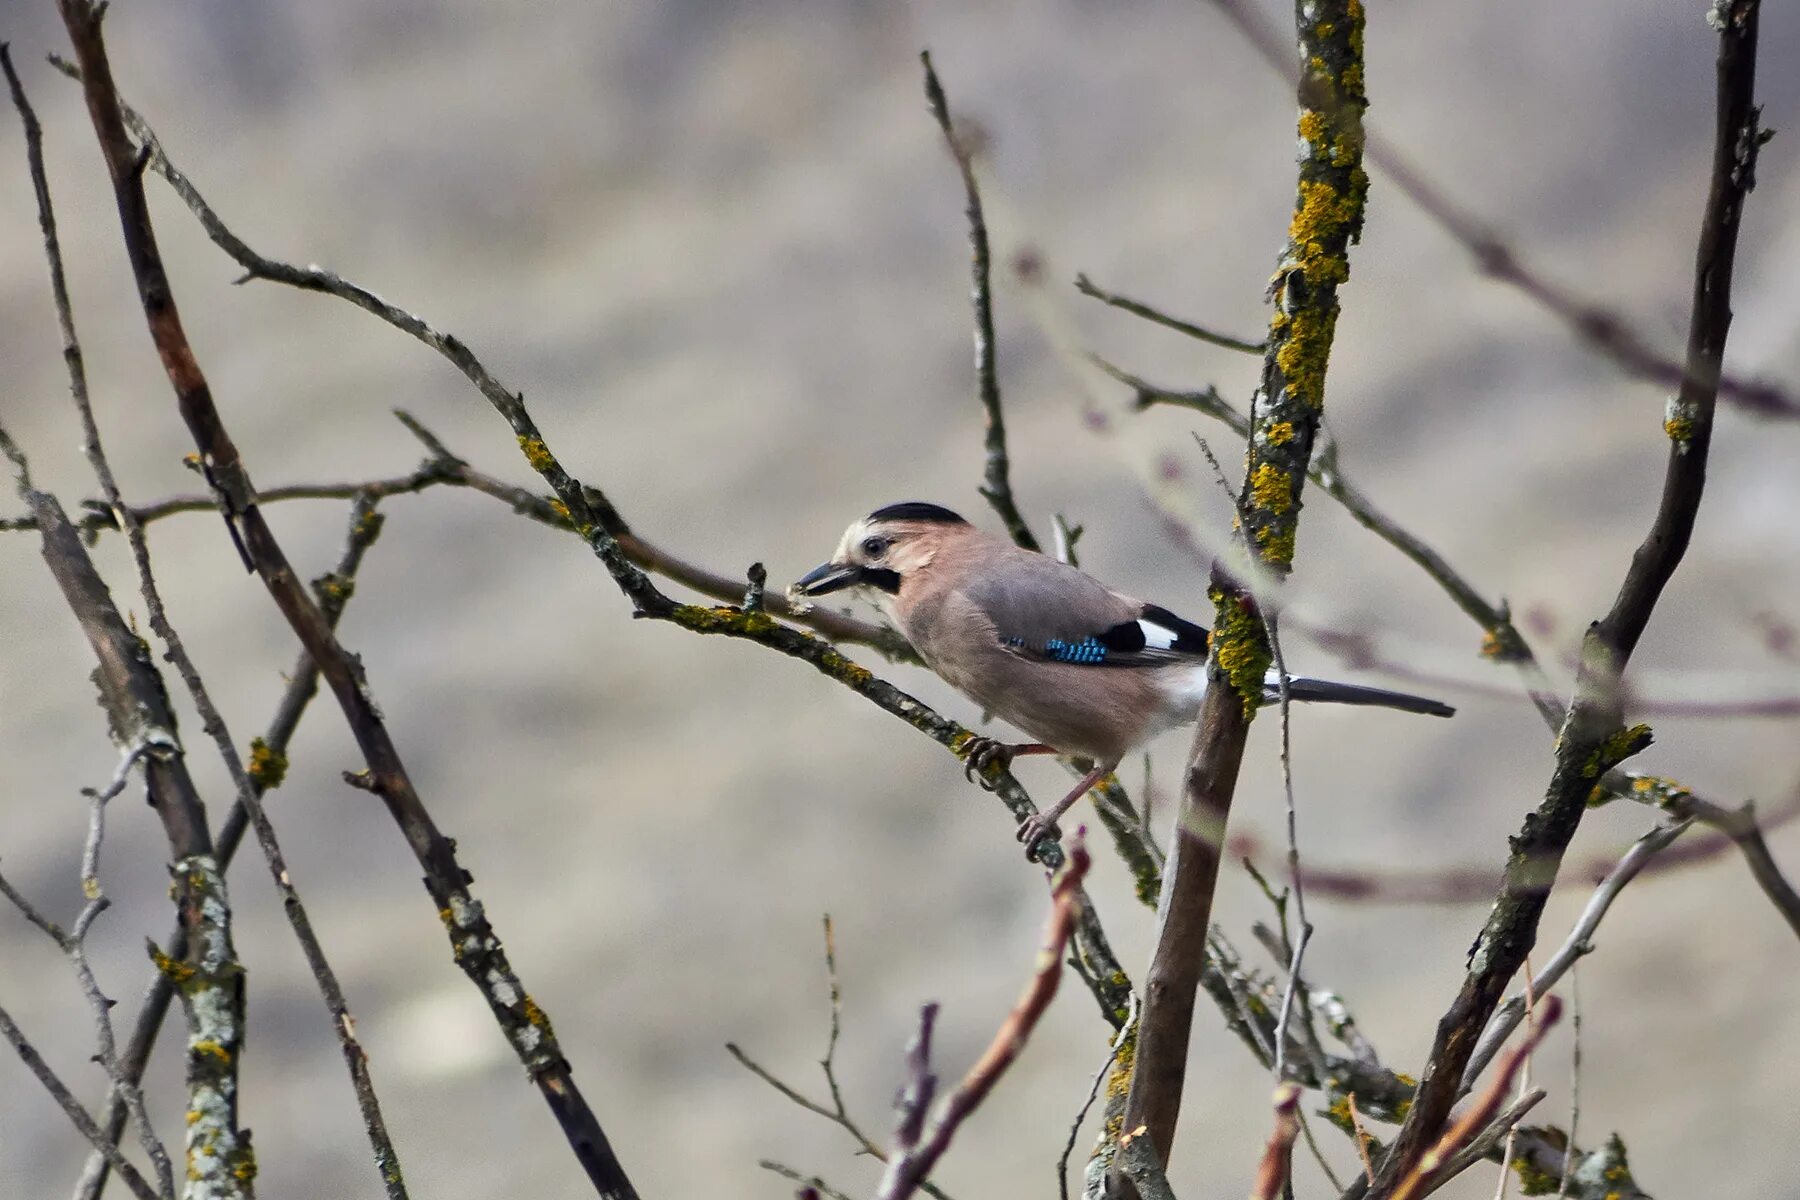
<point>1314,263</point>
<point>1593,741</point>
<point>477,949</point>
<point>1578,943</point>
<point>445,469</point>
<point>997,473</point>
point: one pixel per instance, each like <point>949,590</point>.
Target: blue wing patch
<point>1086,652</point>
<point>1158,636</point>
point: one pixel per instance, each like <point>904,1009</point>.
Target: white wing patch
<point>1156,637</point>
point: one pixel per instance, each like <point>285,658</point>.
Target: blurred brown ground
<point>721,251</point>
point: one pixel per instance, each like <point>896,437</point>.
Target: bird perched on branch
<point>1084,670</point>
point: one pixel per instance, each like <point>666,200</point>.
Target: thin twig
<point>805,1181</point>
<point>997,483</point>
<point>446,469</point>
<point>837,1113</point>
<point>1470,884</point>
<point>1568,1168</point>
<point>73,944</point>
<point>78,1116</point>
<point>1293,838</point>
<point>1525,1087</point>
<point>919,1145</point>
<point>1087,287</point>
<point>1112,1056</point>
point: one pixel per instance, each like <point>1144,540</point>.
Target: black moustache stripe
<point>888,581</point>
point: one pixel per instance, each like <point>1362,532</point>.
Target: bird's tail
<point>1325,691</point>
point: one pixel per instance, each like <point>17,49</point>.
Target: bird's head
<point>884,549</point>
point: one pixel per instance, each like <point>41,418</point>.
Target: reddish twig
<point>1423,1174</point>
<point>917,1144</point>
<point>1272,1172</point>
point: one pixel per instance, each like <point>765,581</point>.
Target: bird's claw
<point>981,753</point>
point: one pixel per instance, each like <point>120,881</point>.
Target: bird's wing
<point>1047,610</point>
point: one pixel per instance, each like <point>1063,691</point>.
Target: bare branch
<point>1087,287</point>
<point>386,1160</point>
<point>132,693</point>
<point>1604,329</point>
<point>997,483</point>
<point>1592,741</point>
<point>478,950</point>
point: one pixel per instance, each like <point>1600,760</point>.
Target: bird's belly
<point>1095,712</point>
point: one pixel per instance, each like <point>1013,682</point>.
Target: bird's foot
<point>980,753</point>
<point>1038,827</point>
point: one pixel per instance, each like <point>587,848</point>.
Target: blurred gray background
<point>720,249</point>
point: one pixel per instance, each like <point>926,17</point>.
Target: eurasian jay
<point>1084,670</point>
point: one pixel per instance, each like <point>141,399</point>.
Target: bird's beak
<point>829,577</point>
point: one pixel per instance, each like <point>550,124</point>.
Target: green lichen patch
<point>1241,647</point>
<point>267,766</point>
<point>1616,749</point>
<point>536,453</point>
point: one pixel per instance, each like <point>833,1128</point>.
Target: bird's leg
<point>983,752</point>
<point>1035,829</point>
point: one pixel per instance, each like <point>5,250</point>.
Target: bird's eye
<point>874,547</point>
